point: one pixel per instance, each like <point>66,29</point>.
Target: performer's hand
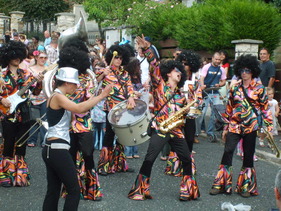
<point>235,83</point>
<point>224,133</point>
<point>39,77</point>
<point>142,42</point>
<point>5,102</point>
<point>106,71</point>
<point>106,91</point>
<point>131,103</point>
<point>203,87</point>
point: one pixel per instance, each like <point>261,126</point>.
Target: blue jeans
<point>99,131</point>
<point>131,150</point>
<point>211,99</point>
<point>42,130</point>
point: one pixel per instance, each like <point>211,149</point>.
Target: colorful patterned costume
<point>13,168</point>
<point>82,146</point>
<point>112,159</point>
<point>174,166</point>
<point>242,122</point>
<point>162,92</point>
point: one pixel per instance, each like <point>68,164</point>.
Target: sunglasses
<point>42,57</point>
<point>185,64</point>
<point>118,57</point>
<point>245,71</point>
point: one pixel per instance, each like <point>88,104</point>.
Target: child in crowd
<point>274,108</point>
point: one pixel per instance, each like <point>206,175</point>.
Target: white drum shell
<point>133,133</point>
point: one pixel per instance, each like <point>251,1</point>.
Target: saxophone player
<point>246,98</point>
<point>191,62</point>
<point>167,78</point>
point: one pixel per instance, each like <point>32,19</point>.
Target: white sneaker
<point>261,143</point>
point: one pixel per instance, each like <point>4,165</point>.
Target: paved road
<point>165,189</point>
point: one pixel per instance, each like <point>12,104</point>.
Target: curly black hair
<point>130,49</point>
<point>12,50</point>
<point>121,52</point>
<point>73,57</point>
<point>247,61</point>
<point>168,65</point>
<point>191,58</point>
<point>79,44</point>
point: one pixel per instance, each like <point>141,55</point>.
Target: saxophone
<point>176,119</point>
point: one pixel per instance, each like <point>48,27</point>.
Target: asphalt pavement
<point>164,188</point>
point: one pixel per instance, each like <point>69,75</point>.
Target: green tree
<point>108,12</point>
<point>35,9</point>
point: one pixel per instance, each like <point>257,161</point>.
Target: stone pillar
<point>65,20</point>
<point>3,24</point>
<point>246,46</point>
<point>16,20</point>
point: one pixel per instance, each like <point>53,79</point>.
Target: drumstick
<point>115,53</point>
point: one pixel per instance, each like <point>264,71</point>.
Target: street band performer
<point>14,169</point>
<point>112,159</point>
<point>247,98</point>
<point>167,78</point>
<point>191,62</point>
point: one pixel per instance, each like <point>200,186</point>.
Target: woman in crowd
<point>38,101</point>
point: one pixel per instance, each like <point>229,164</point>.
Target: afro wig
<point>12,50</point>
<point>247,61</point>
<point>168,65</point>
<point>129,48</point>
<point>122,51</point>
<point>79,44</point>
<point>73,57</point>
<point>191,58</point>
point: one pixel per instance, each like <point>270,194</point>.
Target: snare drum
<point>193,113</point>
<point>130,125</point>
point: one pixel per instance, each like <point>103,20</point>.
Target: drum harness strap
<point>161,108</point>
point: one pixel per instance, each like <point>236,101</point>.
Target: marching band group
<point>175,89</point>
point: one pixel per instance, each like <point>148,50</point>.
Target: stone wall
<point>65,20</point>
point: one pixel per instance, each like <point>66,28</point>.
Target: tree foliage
<point>35,9</point>
<point>210,25</point>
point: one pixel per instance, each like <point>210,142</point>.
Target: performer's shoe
<point>140,190</point>
<point>215,191</point>
<point>223,181</point>
<point>245,194</point>
<point>247,182</point>
<point>188,188</point>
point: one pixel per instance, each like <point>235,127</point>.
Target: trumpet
<point>271,142</point>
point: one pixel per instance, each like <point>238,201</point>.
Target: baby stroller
<point>218,110</point>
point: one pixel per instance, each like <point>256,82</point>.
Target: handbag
<point>149,129</point>
<point>259,117</point>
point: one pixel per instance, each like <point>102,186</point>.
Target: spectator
<point>267,75</point>
<point>23,39</point>
<point>35,44</point>
<point>47,38</point>
<point>52,50</point>
<point>212,76</point>
<point>16,36</point>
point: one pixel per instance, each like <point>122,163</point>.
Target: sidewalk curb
<point>270,157</point>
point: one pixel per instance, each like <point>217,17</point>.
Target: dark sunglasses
<point>185,64</point>
<point>244,71</point>
<point>118,57</point>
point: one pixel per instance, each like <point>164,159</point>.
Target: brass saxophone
<point>271,142</point>
<point>176,119</point>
